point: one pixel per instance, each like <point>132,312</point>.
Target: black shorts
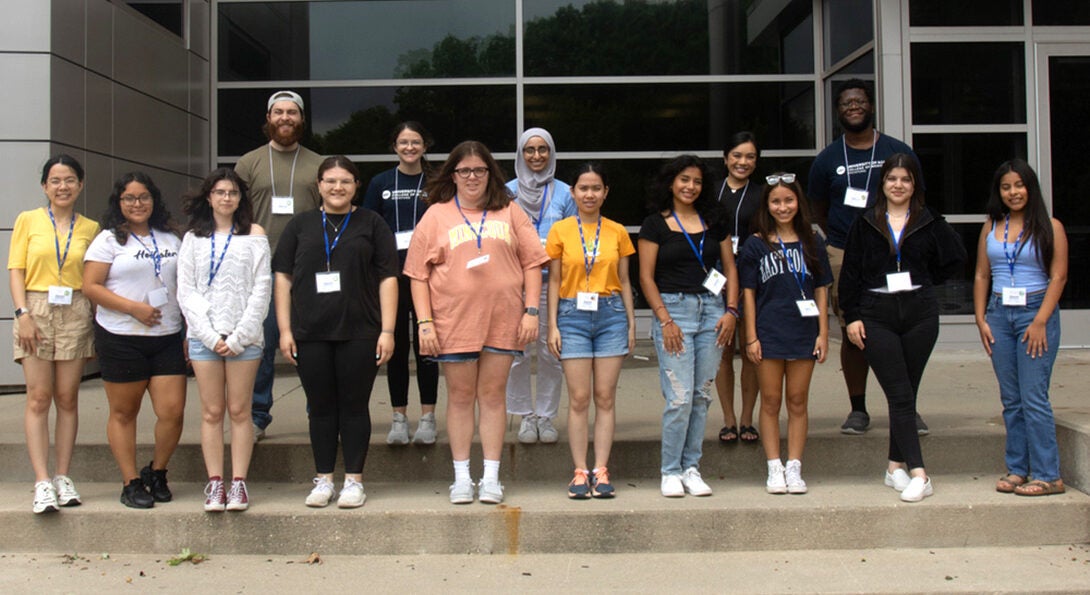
<point>128,358</point>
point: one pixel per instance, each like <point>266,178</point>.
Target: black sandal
<point>749,434</point>
<point>728,435</point>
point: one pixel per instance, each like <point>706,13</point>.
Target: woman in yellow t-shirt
<point>53,332</point>
<point>592,323</point>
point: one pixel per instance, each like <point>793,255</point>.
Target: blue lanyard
<point>704,236</point>
<point>325,235</point>
<point>874,145</point>
<point>470,225</point>
<point>1012,257</point>
<point>799,275</point>
<point>156,258</point>
<point>589,264</point>
<point>213,265</point>
<point>896,244</point>
<point>57,243</point>
<point>541,211</point>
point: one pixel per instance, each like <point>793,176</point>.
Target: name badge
<point>329,282</point>
<point>1014,296</point>
<point>899,282</point>
<point>197,304</point>
<point>60,295</point>
<point>283,205</point>
<point>543,240</point>
<point>856,197</point>
<point>476,262</point>
<point>808,308</point>
<point>714,282</point>
<point>586,300</point>
<point>403,238</point>
<point>734,244</point>
<point>158,297</point>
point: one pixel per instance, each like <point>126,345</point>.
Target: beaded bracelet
<point>734,312</point>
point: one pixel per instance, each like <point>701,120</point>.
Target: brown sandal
<point>1040,488</point>
<point>1008,483</point>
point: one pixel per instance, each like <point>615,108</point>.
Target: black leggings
<point>397,369</point>
<point>901,331</point>
<point>337,377</point>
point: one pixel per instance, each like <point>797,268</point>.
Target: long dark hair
<point>201,221</point>
<point>662,193</point>
<point>160,219</point>
<point>442,188</point>
<point>765,225</point>
<point>1037,223</point>
<point>62,159</point>
<point>916,204</point>
<point>418,128</point>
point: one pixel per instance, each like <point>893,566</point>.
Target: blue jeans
<point>1023,388</point>
<point>688,378</point>
<point>263,383</point>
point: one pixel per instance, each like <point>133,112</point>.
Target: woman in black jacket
<point>897,251</point>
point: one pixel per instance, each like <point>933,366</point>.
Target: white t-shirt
<point>132,276</point>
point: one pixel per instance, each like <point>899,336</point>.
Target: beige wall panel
<point>28,110</point>
<point>199,28</point>
<point>7,308</point>
<point>21,169</point>
<point>11,373</point>
<point>69,103</point>
<point>100,37</point>
<point>100,115</point>
<point>68,30</point>
<point>200,153</point>
<point>149,131</point>
<point>150,60</point>
<point>29,32</point>
<point>100,181</point>
<point>199,95</point>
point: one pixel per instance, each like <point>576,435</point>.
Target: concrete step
<point>537,518</point>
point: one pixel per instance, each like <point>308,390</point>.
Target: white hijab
<point>532,184</point>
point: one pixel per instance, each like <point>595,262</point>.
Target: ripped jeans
<point>688,378</point>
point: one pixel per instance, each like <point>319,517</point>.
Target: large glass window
<point>849,25</point>
<point>958,168</point>
<point>968,83</point>
<point>167,13</point>
<point>963,13</point>
<point>1063,13</point>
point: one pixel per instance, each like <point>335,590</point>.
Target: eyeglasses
<point>476,172</point>
<point>410,143</point>
<point>854,102</point>
<point>334,182</point>
<point>542,150</point>
<point>221,193</point>
<point>777,178</point>
<point>65,181</point>
<point>131,200</point>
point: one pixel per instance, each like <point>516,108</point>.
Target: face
<point>1013,191</point>
<point>471,189</point>
<point>409,146</point>
<point>62,186</point>
<point>285,123</point>
<point>589,193</point>
<point>741,161</point>
<point>338,187</point>
<point>898,186</point>
<point>137,203</point>
<point>783,204</point>
<point>854,110</point>
<point>224,198</point>
<point>687,185</point>
<point>536,154</point>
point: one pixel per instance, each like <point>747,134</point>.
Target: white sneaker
<point>45,498</point>
<point>777,483</point>
<point>918,488</point>
<point>898,480</point>
<point>461,492</point>
<point>399,430</point>
<point>259,433</point>
<point>490,491</point>
<point>528,430</point>
<point>66,491</point>
<point>545,431</point>
<point>321,494</point>
<point>672,486</point>
<point>425,430</point>
<point>793,477</point>
<point>351,495</point>
<point>694,484</point>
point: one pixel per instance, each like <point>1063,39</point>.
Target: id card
<point>714,282</point>
<point>328,282</point>
<point>734,244</point>
<point>60,295</point>
<point>808,308</point>
<point>158,297</point>
<point>899,282</point>
<point>476,262</point>
<point>283,205</point>
<point>855,197</point>
<point>403,238</point>
<point>197,304</point>
<point>586,301</point>
<point>1014,296</point>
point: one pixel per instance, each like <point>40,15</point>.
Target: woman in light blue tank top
<point>1020,275</point>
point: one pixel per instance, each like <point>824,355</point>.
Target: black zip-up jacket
<point>930,250</point>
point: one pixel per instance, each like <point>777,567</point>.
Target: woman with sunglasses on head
<point>1021,271</point>
<point>53,334</point>
<point>896,252</point>
<point>398,195</point>
<point>224,283</point>
<point>131,272</point>
<point>785,277</point>
<point>679,244</point>
<point>475,264</point>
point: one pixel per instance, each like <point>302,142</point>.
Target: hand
<point>672,340</point>
<point>29,334</point>
<point>753,351</point>
<point>821,348</point>
<point>724,329</point>
<point>528,329</point>
<point>553,341</point>
<point>223,350</point>
<point>385,348</point>
<point>1036,340</point>
<point>147,315</point>
<point>631,337</point>
<point>288,348</point>
<point>857,334</point>
<point>986,337</point>
<point>428,340</point>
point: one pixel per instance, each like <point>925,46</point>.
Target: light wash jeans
<point>550,376</point>
<point>1023,388</point>
<point>688,379</point>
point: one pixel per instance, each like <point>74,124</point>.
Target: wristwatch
<point>20,311</point>
<point>531,311</point>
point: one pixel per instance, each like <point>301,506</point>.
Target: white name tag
<point>808,308</point>
<point>196,304</point>
<point>856,197</point>
<point>60,295</point>
<point>587,301</point>
<point>158,297</point>
<point>476,262</point>
<point>734,244</point>
<point>899,282</point>
<point>714,282</point>
<point>1014,296</point>
<point>328,282</point>
<point>283,205</point>
<point>403,238</point>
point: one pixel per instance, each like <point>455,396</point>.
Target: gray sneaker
<point>856,424</point>
<point>921,428</point>
<point>259,433</point>
<point>399,430</point>
<point>545,431</point>
<point>425,430</point>
<point>490,491</point>
<point>528,429</point>
<point>461,492</point>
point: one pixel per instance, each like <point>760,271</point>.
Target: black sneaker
<point>156,482</point>
<point>135,495</point>
<point>856,424</point>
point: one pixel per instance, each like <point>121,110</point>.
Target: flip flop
<point>1008,483</point>
<point>748,434</point>
<point>1040,488</point>
<point>728,435</point>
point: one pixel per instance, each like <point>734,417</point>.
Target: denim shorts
<point>199,353</point>
<point>471,356</point>
<point>584,334</point>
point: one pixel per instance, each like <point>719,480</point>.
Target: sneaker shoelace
<point>580,478</point>
<point>214,490</point>
<point>601,476</point>
<point>65,488</point>
<point>323,484</point>
<point>238,491</point>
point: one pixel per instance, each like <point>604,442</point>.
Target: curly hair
<point>113,219</point>
<point>201,220</point>
<point>662,192</point>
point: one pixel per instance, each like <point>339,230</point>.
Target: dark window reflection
<point>968,83</point>
<point>1069,86</point>
<point>956,295</point>
<point>849,26</point>
<point>943,13</point>
<point>672,117</point>
<point>596,37</point>
<point>165,12</point>
<point>958,168</point>
<point>1064,13</point>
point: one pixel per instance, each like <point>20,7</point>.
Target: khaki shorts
<point>67,331</point>
<point>836,261</point>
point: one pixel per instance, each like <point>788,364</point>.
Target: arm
<point>554,306</point>
<point>282,291</point>
<point>199,323</point>
<point>531,291</point>
<point>671,334</point>
<point>982,286</point>
<point>429,340</point>
<point>821,345</point>
<point>387,298</point>
<point>753,348</point>
<point>629,303</point>
<point>94,287</point>
<point>250,328</point>
<point>29,334</point>
<point>1035,338</point>
<point>725,325</point>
